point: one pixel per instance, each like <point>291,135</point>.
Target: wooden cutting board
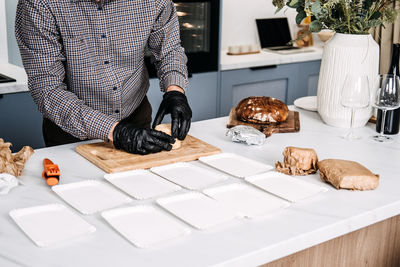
<point>291,125</point>
<point>111,160</point>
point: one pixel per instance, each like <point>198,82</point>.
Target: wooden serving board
<point>291,125</point>
<point>240,53</point>
<point>111,160</point>
<point>372,119</point>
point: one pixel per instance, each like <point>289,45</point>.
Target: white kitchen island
<point>239,243</point>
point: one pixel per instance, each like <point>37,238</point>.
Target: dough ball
<point>166,128</point>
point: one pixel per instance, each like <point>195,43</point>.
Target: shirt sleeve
<point>165,45</point>
<point>42,54</point>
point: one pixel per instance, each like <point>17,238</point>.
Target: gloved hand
<point>141,141</point>
<point>176,104</point>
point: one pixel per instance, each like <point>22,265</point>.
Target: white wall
<point>3,33</point>
<point>238,20</point>
<point>9,52</point>
<point>14,56</point>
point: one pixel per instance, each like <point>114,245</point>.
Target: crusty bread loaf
<point>262,109</point>
<point>166,128</point>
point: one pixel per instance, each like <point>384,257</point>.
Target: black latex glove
<point>141,141</point>
<point>176,104</point>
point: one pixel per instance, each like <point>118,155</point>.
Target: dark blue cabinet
<point>286,82</point>
<point>202,94</point>
<point>20,121</point>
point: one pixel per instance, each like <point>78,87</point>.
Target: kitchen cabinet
<point>286,82</point>
<point>20,121</point>
<point>202,94</point>
<point>308,73</point>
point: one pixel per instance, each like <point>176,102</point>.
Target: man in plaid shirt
<point>85,65</point>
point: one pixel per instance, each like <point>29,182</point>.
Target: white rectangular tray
<point>91,196</point>
<point>197,209</point>
<point>141,184</point>
<point>236,165</point>
<point>189,175</point>
<point>285,186</point>
<point>51,224</point>
<point>144,226</point>
<point>246,200</point>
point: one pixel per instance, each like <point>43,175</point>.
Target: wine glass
<point>387,97</point>
<point>355,95</point>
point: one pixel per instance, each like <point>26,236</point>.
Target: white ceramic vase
<point>344,54</point>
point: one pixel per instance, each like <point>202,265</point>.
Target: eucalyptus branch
<point>343,16</point>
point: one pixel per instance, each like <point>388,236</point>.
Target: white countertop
<point>264,58</point>
<point>18,74</point>
<point>240,243</point>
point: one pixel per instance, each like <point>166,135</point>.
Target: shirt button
<point>116,111</point>
<point>106,62</point>
<point>115,88</point>
<point>100,8</point>
<point>103,36</point>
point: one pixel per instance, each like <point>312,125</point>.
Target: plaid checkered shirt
<point>85,59</point>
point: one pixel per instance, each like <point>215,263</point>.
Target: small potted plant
<point>351,49</point>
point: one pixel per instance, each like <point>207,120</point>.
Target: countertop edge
<point>266,58</point>
<point>302,242</point>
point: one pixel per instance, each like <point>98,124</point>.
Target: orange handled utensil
<point>51,172</point>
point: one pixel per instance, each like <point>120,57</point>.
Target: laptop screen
<point>273,32</point>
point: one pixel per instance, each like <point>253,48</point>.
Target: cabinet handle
<point>264,67</point>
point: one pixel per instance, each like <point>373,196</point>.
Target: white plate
<point>246,200</point>
<point>285,186</point>
<point>141,184</point>
<point>47,225</point>
<point>307,103</point>
<point>91,196</point>
<point>189,175</point>
<point>236,165</point>
<point>197,209</point>
<point>144,226</point>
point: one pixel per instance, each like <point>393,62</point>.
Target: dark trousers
<point>53,135</point>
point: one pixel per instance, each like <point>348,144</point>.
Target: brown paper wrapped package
<point>347,174</point>
<point>298,161</point>
<point>13,164</point>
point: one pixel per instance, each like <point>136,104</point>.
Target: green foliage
<point>342,16</point>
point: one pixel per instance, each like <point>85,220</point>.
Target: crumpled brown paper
<point>298,161</point>
<point>13,164</point>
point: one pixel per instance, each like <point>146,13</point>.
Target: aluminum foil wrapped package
<point>246,134</point>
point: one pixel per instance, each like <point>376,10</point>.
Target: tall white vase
<point>344,54</point>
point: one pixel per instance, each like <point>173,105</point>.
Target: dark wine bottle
<point>392,120</point>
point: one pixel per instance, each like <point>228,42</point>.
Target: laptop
<point>274,34</point>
